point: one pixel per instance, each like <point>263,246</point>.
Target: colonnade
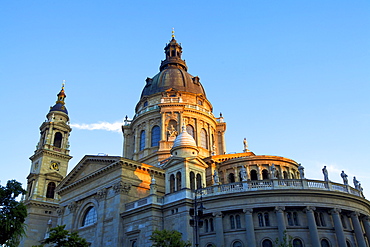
<point>314,239</point>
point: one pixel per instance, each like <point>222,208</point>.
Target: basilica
<point>175,174</point>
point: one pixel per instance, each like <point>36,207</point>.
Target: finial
<point>173,33</point>
<point>63,83</point>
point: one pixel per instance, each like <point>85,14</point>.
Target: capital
<point>335,211</point>
<point>248,210</point>
<point>279,209</point>
<point>217,214</point>
<point>309,209</point>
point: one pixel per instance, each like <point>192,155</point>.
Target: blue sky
<point>290,76</point>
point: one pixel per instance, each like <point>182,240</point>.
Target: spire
<point>173,33</point>
<point>59,104</point>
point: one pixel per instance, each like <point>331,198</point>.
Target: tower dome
<point>173,74</point>
<point>184,145</point>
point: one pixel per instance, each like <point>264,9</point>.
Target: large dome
<point>173,74</point>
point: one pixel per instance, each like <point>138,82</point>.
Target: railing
<point>196,107</point>
<point>279,184</point>
<point>147,109</point>
<point>258,185</point>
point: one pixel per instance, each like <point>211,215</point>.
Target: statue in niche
<point>216,179</point>
<point>344,177</point>
<point>172,132</point>
<point>243,174</point>
<point>326,174</point>
<point>301,171</point>
<point>273,171</point>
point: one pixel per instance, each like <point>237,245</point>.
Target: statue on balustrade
<point>326,174</point>
<point>344,177</point>
<point>301,171</point>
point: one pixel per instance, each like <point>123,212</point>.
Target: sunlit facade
<point>174,155</point>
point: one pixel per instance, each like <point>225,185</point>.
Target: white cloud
<point>115,127</point>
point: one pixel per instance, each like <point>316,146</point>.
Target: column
<point>312,226</point>
<point>279,210</point>
<point>251,238</point>
<point>259,175</point>
<point>335,214</point>
<point>358,231</point>
<point>366,223</point>
<point>236,174</point>
<point>219,229</point>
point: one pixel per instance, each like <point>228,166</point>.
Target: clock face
<point>54,166</point>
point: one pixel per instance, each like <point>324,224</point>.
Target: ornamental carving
<point>172,115</point>
<point>101,194</point>
<point>60,211</point>
<point>122,187</point>
<point>72,207</point>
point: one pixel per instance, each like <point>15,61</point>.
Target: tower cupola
<point>60,104</point>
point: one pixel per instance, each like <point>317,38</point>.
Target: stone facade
<point>174,160</point>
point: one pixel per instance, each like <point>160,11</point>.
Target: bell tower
<point>49,166</point>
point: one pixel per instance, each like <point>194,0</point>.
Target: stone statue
<point>356,183</point>
<point>172,131</point>
<point>326,175</point>
<point>301,171</point>
<point>273,171</point>
<point>243,174</point>
<point>245,144</point>
<point>216,179</point>
<point>344,177</point>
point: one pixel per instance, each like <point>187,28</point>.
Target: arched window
<point>297,243</point>
<point>206,229</point>
<point>89,217</point>
<point>190,130</point>
<point>348,243</point>
<point>254,175</point>
<point>199,181</point>
<point>260,219</point>
<point>325,243</point>
<point>267,219</point>
<point>231,178</point>
<point>295,219</point>
<point>58,140</point>
<point>156,132</point>
<point>192,180</point>
<point>237,244</point>
<point>211,226</point>
<point>172,183</point>
<point>285,175</point>
<point>232,222</point>
<point>50,190</point>
<point>210,245</point>
<point>292,176</point>
<point>277,174</point>
<point>203,139</point>
<point>343,222</point>
<point>142,140</point>
<point>265,174</point>
<point>134,243</point>
<point>266,243</point>
<point>237,220</point>
<point>178,181</point>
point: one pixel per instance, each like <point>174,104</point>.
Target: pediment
<point>196,161</point>
<point>88,165</point>
<point>54,175</point>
